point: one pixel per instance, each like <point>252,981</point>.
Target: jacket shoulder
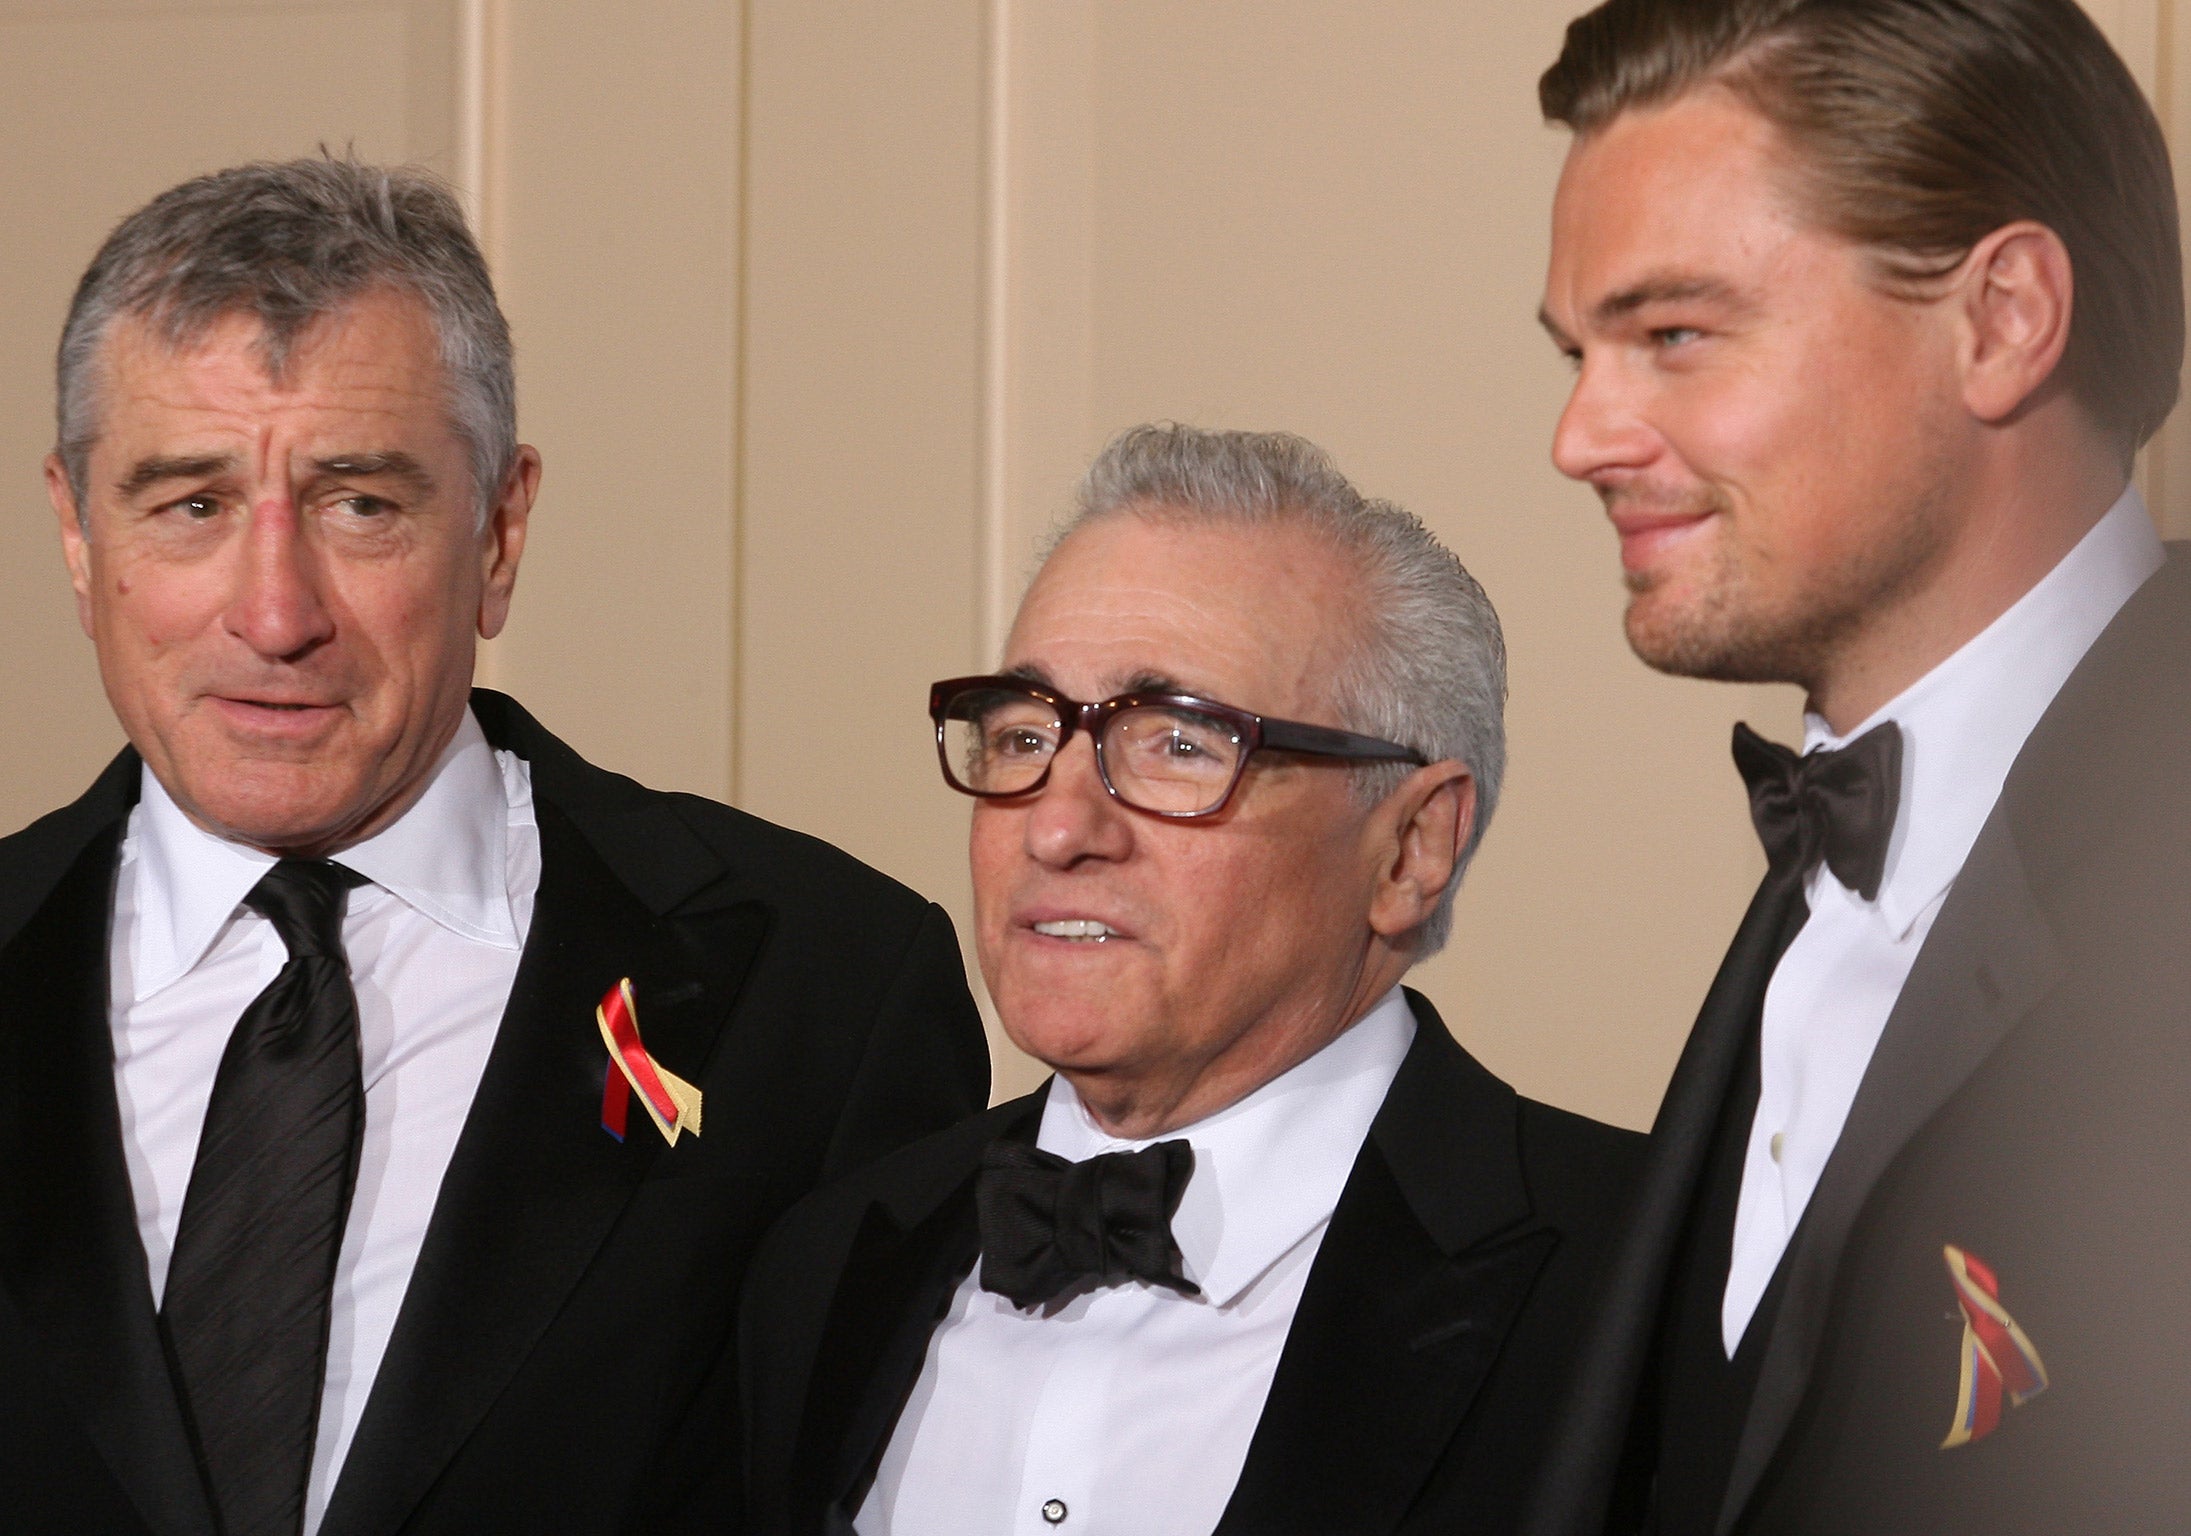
<point>795,864</point>
<point>1580,1170</point>
<point>670,846</point>
<point>33,859</point>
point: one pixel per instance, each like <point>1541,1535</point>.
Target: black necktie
<point>1048,1224</point>
<point>247,1297</point>
<point>1837,806</point>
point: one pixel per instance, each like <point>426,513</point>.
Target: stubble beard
<point>1736,628</point>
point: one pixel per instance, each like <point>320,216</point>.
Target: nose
<point>278,606</point>
<point>1602,432</point>
<point>1074,818</point>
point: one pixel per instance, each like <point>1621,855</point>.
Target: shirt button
<point>1054,1511</point>
<point>1779,1138</point>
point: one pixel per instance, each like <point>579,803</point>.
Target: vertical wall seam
<point>991,573</point>
<point>741,304</point>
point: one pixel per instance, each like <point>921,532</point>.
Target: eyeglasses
<point>1168,754</point>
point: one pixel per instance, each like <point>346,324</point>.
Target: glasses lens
<point>1175,760</point>
<point>997,742</point>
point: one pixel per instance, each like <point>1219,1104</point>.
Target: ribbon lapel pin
<point>670,1102</point>
<point>1998,1359</point>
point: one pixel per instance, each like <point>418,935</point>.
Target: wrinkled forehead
<point>1259,615</point>
<point>376,359</point>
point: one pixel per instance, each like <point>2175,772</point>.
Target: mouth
<point>1646,538</point>
<point>272,715</point>
<point>1077,930</point>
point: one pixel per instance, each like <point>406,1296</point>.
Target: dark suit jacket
<point>2029,1102</point>
<point>1415,1387</point>
<point>562,1361</point>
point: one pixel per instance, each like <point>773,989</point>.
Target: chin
<point>1061,1031</point>
<point>1700,638</point>
<point>270,805</point>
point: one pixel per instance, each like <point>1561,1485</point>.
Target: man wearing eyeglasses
<point>1269,1253</point>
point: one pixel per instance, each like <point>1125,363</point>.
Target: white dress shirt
<point>433,944</point>
<point>1128,1412</point>
<point>1962,724</point>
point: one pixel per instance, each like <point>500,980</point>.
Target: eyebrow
<point>146,473</point>
<point>393,464</point>
<point>1674,288</point>
<point>1139,682</point>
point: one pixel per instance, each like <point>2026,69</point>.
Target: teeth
<point>1077,928</point>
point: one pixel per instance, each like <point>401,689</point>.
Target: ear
<point>2016,292</point>
<point>502,541</point>
<point>1423,826</point>
<point>75,546</point>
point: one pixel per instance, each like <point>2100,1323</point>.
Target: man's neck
<point>2031,504</point>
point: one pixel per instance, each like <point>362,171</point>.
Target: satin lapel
<point>917,1240</point>
<point>1991,957</point>
<point>534,1184</point>
<point>69,1249</point>
<point>1586,1450</point>
<point>1427,1262</point>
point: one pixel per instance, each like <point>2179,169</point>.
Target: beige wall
<point>820,308</point>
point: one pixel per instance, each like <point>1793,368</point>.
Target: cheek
<point>144,605</point>
<point>992,851</point>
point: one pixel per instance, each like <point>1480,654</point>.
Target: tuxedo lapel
<point>1991,957</point>
<point>916,1241</point>
<point>1586,1452</point>
<point>1426,1265</point>
<point>69,1250</point>
<point>535,1183</point>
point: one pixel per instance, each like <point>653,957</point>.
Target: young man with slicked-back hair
<point>1872,303</point>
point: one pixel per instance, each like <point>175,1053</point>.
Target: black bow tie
<point>1837,806</point>
<point>1048,1224</point>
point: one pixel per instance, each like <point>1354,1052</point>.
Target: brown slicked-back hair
<point>1917,128</point>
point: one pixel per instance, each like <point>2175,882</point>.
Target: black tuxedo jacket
<point>562,1359</point>
<point>1415,1387</point>
<point>2030,1103</point>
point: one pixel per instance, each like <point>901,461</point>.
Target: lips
<point>273,715</point>
<point>1081,929</point>
<point>1646,537</point>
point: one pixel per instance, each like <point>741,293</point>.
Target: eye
<point>364,506</point>
<point>1670,336</point>
<point>196,508</point>
<point>1018,741</point>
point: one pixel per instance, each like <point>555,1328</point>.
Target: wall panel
<point>612,166</point>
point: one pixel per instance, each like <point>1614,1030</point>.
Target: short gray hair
<point>1430,668</point>
<point>290,242</point>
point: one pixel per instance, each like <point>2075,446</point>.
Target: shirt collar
<point>446,857</point>
<point>1964,722</point>
<point>1269,1169</point>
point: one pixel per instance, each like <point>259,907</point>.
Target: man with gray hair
<point>354,1032</point>
<point>1269,1253</point>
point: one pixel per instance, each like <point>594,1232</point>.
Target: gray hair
<point>290,243</point>
<point>1430,668</point>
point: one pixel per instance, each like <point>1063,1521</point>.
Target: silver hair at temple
<point>1429,670</point>
<point>289,243</point>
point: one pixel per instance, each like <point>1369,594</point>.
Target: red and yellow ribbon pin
<point>1998,1359</point>
<point>670,1102</point>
